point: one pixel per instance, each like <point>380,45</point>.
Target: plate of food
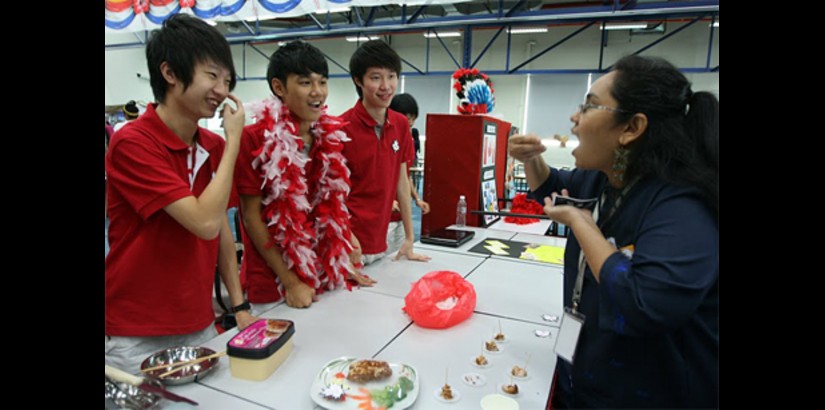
<point>480,361</point>
<point>351,383</point>
<point>518,372</point>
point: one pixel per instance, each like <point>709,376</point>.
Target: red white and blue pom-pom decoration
<point>474,90</point>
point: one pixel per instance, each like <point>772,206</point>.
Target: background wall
<point>552,97</point>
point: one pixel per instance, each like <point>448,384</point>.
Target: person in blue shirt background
<point>648,149</point>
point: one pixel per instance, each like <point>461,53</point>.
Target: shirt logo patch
<point>395,146</point>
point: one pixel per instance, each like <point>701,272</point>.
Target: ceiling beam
<point>545,16</point>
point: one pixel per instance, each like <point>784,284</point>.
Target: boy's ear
<point>358,82</point>
<point>167,73</point>
<point>278,87</point>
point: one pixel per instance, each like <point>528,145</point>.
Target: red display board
<point>463,154</point>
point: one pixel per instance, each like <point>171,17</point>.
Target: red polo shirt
<point>261,281</point>
<point>374,165</point>
<point>159,276</point>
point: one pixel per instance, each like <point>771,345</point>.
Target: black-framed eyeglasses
<point>586,106</point>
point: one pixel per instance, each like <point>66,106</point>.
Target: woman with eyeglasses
<point>641,270</point>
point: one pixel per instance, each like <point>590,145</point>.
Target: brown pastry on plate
<point>364,371</point>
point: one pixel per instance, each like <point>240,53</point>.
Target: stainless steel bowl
<point>177,354</point>
<point>126,396</point>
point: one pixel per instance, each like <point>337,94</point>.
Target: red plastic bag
<point>440,299</point>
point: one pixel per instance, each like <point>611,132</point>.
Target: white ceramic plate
<point>473,379</point>
<point>494,352</point>
<point>497,401</point>
<point>456,395</point>
<point>501,390</point>
<point>341,365</point>
<point>473,362</point>
<point>510,374</point>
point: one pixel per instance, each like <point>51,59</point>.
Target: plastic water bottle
<point>461,211</point>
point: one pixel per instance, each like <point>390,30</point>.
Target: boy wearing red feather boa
<point>293,184</point>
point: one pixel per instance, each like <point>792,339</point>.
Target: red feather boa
<point>522,205</point>
<point>305,207</point>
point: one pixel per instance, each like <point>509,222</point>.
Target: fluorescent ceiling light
<point>353,39</point>
<point>211,22</point>
<point>282,43</point>
<point>525,30</point>
<point>623,26</point>
<point>715,24</point>
<point>443,34</point>
<point>333,10</point>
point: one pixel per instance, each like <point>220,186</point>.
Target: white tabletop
<point>515,289</point>
<point>537,228</point>
<point>395,277</point>
<point>540,239</point>
<point>342,323</point>
<point>207,398</point>
<point>432,351</point>
<point>369,323</point>
<point>480,235</point>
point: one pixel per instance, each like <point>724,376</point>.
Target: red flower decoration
<point>522,205</point>
<point>465,76</point>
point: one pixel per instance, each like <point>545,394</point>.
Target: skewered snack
<point>364,371</point>
<point>491,346</point>
<point>481,360</point>
<point>519,371</point>
<point>446,392</point>
<point>510,388</point>
<point>499,337</point>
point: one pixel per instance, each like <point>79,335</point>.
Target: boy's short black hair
<point>373,53</point>
<point>296,57</point>
<point>184,41</point>
<point>405,104</point>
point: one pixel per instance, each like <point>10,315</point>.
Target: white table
<point>517,290</point>
<point>538,228</point>
<point>540,239</point>
<point>480,235</point>
<point>395,277</point>
<point>207,398</point>
<point>432,351</point>
<point>369,323</point>
<point>342,323</point>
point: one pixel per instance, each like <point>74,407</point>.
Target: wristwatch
<point>242,306</point>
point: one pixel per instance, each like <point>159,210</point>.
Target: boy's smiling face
<point>304,95</point>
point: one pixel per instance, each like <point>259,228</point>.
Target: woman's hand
<point>566,214</point>
<point>525,147</point>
